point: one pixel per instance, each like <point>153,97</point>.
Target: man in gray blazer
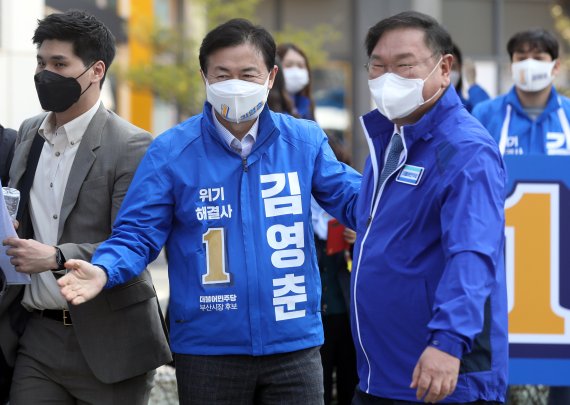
<point>73,166</point>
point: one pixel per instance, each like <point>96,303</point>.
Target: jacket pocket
<point>136,291</point>
<point>93,184</point>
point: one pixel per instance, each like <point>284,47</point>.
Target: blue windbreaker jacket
<point>517,134</point>
<point>429,256</point>
<point>242,269</point>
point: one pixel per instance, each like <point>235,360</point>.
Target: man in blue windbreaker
<point>429,314</point>
<point>532,118</point>
<point>229,191</point>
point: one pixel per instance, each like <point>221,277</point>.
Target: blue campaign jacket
<point>518,134</point>
<point>428,260</point>
<point>241,260</point>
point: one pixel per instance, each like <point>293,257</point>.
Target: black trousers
<point>294,378</point>
<point>5,379</point>
<point>338,352</point>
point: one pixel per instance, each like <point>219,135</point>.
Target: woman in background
<point>279,99</point>
<point>297,75</point>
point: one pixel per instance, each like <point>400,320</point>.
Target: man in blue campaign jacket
<point>532,118</point>
<point>228,191</point>
<point>429,299</point>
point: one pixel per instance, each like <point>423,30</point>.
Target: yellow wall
<point>141,14</point>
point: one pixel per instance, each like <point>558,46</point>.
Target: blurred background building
<point>481,29</point>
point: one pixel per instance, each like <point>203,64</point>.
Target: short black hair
<point>436,37</point>
<point>92,40</point>
<point>236,32</point>
<point>535,39</point>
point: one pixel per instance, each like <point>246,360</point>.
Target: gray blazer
<point>7,141</point>
<point>120,331</point>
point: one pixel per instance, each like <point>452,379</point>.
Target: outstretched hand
<point>83,281</point>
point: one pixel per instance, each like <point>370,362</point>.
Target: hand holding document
<point>7,231</point>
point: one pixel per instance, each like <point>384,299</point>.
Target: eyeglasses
<point>377,68</point>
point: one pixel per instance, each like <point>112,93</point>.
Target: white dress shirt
<point>46,197</point>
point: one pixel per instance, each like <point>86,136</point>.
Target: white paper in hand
<point>7,231</point>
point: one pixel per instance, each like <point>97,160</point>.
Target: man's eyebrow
<point>398,56</point>
<point>223,69</point>
<point>250,69</point>
<point>53,57</point>
<point>244,70</point>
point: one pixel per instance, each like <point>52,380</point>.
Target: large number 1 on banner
<point>532,264</point>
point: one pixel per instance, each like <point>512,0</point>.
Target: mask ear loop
<point>89,67</point>
<point>553,63</point>
<point>428,76</point>
<point>267,87</point>
<point>433,70</point>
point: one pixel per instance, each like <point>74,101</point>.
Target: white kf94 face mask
<point>397,97</point>
<point>237,100</point>
<point>296,79</point>
<point>532,75</point>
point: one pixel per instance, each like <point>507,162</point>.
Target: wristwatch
<point>59,259</point>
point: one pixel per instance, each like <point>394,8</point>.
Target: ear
<point>272,75</point>
<point>99,70</point>
<point>556,67</point>
<point>446,63</point>
<point>203,76</point>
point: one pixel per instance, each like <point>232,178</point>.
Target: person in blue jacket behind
<point>228,191</point>
<point>429,300</point>
<point>532,118</point>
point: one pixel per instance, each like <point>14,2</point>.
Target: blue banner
<point>537,214</point>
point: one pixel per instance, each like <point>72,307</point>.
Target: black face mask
<point>56,92</point>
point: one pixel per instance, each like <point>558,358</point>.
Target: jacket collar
<point>267,131</point>
<point>84,159</point>
<point>375,124</point>
<point>551,105</point>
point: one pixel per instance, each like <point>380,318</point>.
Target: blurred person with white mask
<point>532,118</point>
<point>297,73</point>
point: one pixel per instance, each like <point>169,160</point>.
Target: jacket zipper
<point>374,207</point>
<point>376,198</point>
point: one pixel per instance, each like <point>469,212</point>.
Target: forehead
<point>53,47</point>
<point>293,55</point>
<point>239,57</point>
<point>530,47</point>
<point>399,42</point>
